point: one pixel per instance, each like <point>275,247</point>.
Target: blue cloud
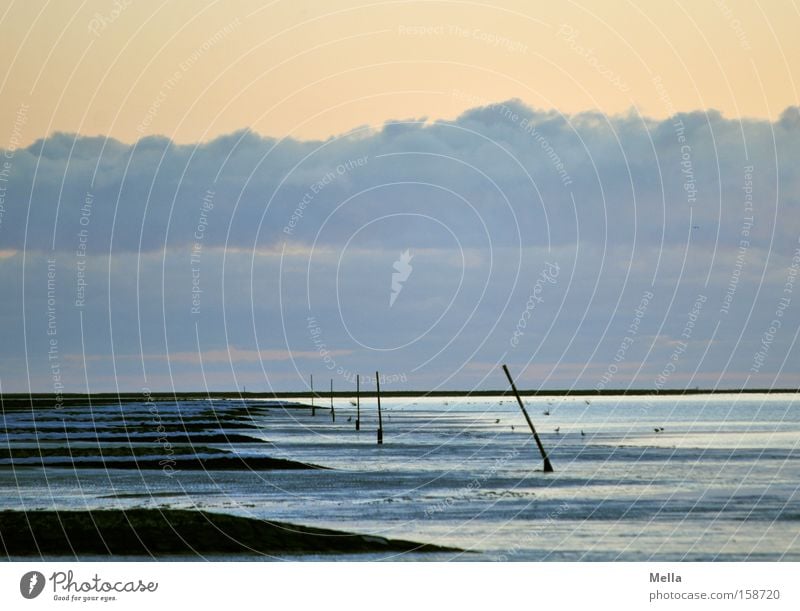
<point>265,233</point>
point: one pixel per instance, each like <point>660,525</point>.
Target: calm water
<point>720,482</point>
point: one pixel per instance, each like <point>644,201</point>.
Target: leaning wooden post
<point>333,412</point>
<point>380,418</point>
<point>548,468</point>
<point>358,402</point>
<point>313,409</point>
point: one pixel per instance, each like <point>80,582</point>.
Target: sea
<point>636,478</point>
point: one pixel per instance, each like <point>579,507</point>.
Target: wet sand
<point>156,532</point>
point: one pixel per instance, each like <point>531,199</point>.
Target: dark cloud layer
<point>282,230</point>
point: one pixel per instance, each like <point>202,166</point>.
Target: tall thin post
<point>333,412</point>
<point>548,468</point>
<point>313,409</point>
<point>358,402</point>
<point>380,418</point>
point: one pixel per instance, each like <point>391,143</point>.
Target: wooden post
<point>358,402</point>
<point>313,409</point>
<point>548,468</point>
<point>380,418</point>
<point>333,412</point>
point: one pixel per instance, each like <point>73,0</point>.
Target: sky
<point>230,194</point>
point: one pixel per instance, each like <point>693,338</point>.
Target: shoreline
<point>22,400</point>
<point>158,533</point>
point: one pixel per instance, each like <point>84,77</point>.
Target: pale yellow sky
<point>192,70</point>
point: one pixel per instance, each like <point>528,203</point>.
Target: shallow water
<point>720,482</point>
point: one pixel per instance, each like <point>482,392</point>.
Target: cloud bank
<point>148,253</point>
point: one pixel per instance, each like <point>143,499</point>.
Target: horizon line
<point>632,111</point>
